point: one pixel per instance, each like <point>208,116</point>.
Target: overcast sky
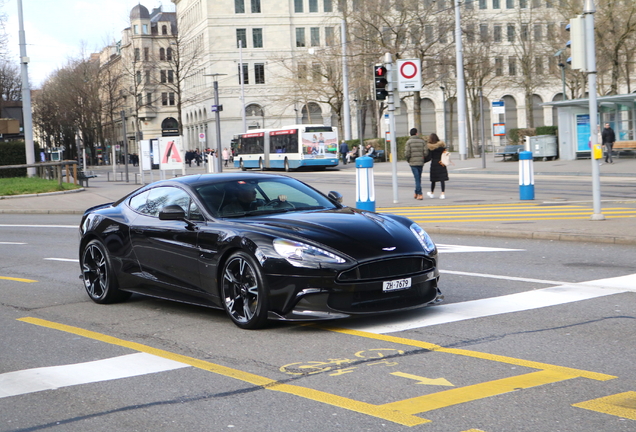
<point>56,30</point>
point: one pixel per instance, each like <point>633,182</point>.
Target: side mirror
<point>172,212</point>
<point>335,196</point>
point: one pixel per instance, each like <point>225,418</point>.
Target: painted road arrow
<point>423,380</point>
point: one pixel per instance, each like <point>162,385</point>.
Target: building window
<point>512,66</point>
<point>442,33</point>
<point>523,4</point>
<point>525,32</point>
<point>470,33</point>
<point>147,77</point>
<point>136,54</point>
<point>148,98</point>
<point>298,6</point>
<point>257,37</point>
<point>536,3</point>
<point>144,28</point>
<point>164,99</point>
<point>246,76</point>
<point>239,6</point>
<point>496,34</point>
<point>171,98</point>
<point>300,37</point>
<point>169,54</point>
<point>429,34</point>
<point>538,32</point>
<point>241,38</point>
<point>164,30</point>
<point>482,4</point>
<point>162,76</point>
<point>146,54</point>
<point>550,31</point>
<point>138,77</point>
<point>510,4</point>
<point>140,100</point>
<point>483,32</point>
<point>136,29</point>
<point>510,32</point>
<point>314,36</point>
<point>162,54</point>
<point>328,6</point>
<point>330,39</point>
<point>302,71</point>
<point>170,76</point>
<point>256,6</point>
<point>259,73</point>
<point>316,73</point>
<point>498,66</point>
<point>549,4</point>
<point>313,5</point>
<point>496,4</point>
<point>469,5</point>
<point>538,65</point>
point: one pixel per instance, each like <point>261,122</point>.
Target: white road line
<point>444,248</point>
<point>38,226</point>
<point>510,278</point>
<point>50,378</point>
<point>524,301</point>
<point>11,243</point>
<point>63,259</point>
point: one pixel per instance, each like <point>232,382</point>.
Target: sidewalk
<point>611,230</point>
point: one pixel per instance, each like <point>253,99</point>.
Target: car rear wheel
<point>97,273</point>
<point>243,290</point>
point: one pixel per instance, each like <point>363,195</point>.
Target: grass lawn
<point>31,185</point>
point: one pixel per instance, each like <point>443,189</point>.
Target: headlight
<point>423,237</point>
<point>301,253</point>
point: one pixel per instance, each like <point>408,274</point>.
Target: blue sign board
<point>582,132</point>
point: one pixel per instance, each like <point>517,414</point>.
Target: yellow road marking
<point>460,395</point>
<point>475,354</point>
<point>425,381</point>
<point>621,405</point>
<point>17,279</point>
<point>266,383</point>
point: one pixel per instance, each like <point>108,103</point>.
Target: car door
<point>167,249</point>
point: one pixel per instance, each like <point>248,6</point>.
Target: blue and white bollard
<point>526,176</point>
<point>365,189</point>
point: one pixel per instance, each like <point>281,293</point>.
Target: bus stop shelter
<point>574,122</point>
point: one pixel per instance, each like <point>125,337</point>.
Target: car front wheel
<point>243,291</point>
<point>97,273</point>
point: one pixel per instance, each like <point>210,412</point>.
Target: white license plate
<point>397,284</point>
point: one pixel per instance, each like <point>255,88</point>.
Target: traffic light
<point>381,82</point>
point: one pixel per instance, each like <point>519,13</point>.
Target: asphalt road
<point>522,342</point>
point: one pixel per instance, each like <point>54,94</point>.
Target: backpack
<point>445,160</point>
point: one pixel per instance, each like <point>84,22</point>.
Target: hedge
<point>14,153</point>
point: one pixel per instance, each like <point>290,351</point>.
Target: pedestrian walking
<point>226,156</point>
<point>439,172</point>
<point>344,149</point>
<point>609,138</point>
<point>415,154</point>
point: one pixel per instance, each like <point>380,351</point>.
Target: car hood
<point>361,235</point>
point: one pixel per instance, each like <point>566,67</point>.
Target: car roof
<point>201,179</point>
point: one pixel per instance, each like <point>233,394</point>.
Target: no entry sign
<point>409,72</point>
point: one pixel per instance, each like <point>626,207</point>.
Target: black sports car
<point>260,246</point>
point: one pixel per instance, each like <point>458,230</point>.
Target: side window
<point>165,196</point>
<point>138,202</point>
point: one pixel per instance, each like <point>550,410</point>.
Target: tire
<point>97,273</point>
<point>286,165</point>
<point>261,165</point>
<point>243,291</point>
<point>242,166</point>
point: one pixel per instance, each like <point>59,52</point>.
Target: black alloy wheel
<point>243,290</point>
<point>97,273</point>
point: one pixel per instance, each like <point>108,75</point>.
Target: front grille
<point>385,269</point>
<point>378,301</point>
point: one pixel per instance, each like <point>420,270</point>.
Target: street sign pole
<point>388,62</point>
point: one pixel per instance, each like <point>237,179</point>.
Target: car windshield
<point>247,197</point>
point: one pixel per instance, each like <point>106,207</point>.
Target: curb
<point>2,197</point>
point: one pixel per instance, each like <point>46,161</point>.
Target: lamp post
<point>562,66</point>
<point>26,97</point>
<point>443,89</point>
<point>217,108</point>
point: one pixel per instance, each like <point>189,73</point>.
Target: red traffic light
<point>380,71</point>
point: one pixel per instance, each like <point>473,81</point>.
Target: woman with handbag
<point>438,172</point>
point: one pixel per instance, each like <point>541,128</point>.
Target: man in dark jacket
<point>608,141</point>
<point>415,153</point>
<point>344,149</point>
